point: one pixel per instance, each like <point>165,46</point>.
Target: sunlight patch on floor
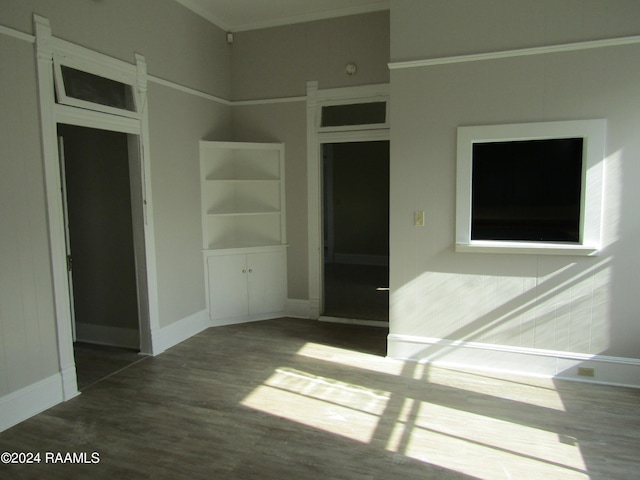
<point>477,444</point>
<point>480,424</point>
<point>540,392</point>
<point>374,363</point>
<point>348,410</point>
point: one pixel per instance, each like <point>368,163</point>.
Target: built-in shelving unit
<point>242,194</point>
<point>243,229</point>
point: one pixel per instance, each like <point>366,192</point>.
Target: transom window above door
<point>350,114</point>
<point>92,87</point>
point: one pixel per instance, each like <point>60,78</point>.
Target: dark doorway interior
<point>356,230</point>
<point>100,236</point>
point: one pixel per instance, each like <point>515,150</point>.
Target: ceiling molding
<point>195,7</point>
<point>207,14</point>
<point>343,12</point>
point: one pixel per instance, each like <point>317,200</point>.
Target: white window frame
<point>111,70</point>
<point>593,134</point>
<point>352,101</point>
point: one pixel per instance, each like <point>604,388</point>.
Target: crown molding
<point>567,47</point>
<point>196,8</point>
<point>310,17</point>
<point>207,14</point>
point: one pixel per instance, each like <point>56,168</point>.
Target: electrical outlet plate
<point>586,371</point>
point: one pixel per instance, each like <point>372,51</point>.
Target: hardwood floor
<point>356,291</point>
<point>95,362</point>
<point>299,399</point>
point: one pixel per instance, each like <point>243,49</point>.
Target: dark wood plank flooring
<point>300,399</point>
<point>356,291</point>
<point>95,362</point>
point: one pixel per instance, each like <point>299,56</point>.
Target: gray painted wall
<point>574,304</point>
<point>278,62</point>
<point>177,123</point>
<point>171,38</point>
<point>28,346</point>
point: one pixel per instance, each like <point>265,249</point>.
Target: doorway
<point>355,201</point>
<point>97,189</point>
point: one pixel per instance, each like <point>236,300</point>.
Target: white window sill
<point>526,248</point>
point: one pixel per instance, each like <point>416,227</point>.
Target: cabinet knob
<point>244,271</point>
<point>250,270</point>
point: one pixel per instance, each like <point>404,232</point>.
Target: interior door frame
<point>67,233</point>
<point>52,114</point>
<point>317,136</point>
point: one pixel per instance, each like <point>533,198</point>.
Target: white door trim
<point>316,136</point>
<point>51,115</point>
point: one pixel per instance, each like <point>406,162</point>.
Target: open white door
<point>65,212</point>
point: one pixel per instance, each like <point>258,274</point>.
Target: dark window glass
<point>96,89</point>
<point>527,190</point>
<point>354,114</point>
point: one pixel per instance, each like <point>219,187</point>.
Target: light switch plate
<point>418,218</point>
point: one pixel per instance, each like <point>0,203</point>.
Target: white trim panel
<point>296,308</point>
<point>30,400</point>
<point>93,119</point>
<point>171,335</point>
<point>268,101</point>
<point>510,359</point>
<point>354,321</point>
<point>105,335</point>
<point>185,89</point>
<point>567,47</point>
<point>221,322</point>
<point>10,32</point>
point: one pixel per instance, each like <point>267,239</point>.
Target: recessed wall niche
<point>530,188</point>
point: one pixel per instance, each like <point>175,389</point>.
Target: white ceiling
<point>240,15</point>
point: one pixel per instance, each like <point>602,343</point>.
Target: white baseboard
<point>105,335</point>
<point>30,400</point>
<point>314,308</point>
<point>166,337</point>
<point>297,308</point>
<point>524,361</point>
<point>354,321</point>
<point>247,319</point>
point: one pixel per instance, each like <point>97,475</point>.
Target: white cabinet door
<point>228,292</point>
<point>247,284</point>
<point>266,282</point>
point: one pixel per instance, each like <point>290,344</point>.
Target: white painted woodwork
<point>265,274</point>
<point>228,286</point>
<point>567,47</point>
<point>52,113</point>
<point>592,131</point>
<point>242,194</point>
<point>316,137</point>
<point>244,231</point>
<point>247,284</point>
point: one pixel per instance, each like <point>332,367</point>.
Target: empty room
<point>357,239</point>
